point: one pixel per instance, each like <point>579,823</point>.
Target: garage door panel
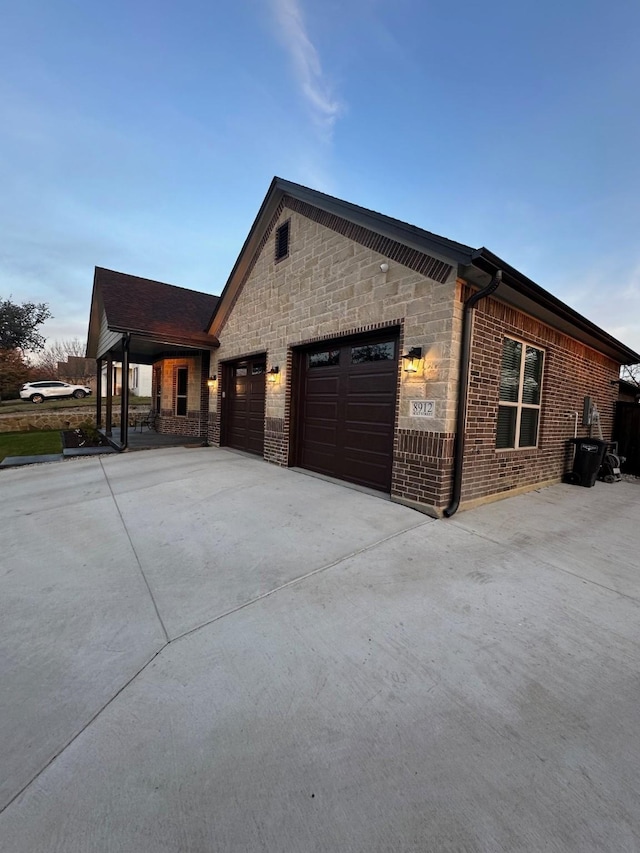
<point>365,472</point>
<point>318,460</point>
<point>320,433</point>
<point>321,384</point>
<point>377,384</point>
<point>380,412</point>
<point>347,413</point>
<point>322,410</point>
<point>375,441</point>
<point>244,405</point>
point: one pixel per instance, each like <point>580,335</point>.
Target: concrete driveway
<point>202,652</point>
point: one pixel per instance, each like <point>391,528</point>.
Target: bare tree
<point>631,373</point>
<point>66,360</point>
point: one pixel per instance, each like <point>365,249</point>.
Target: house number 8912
<point>422,408</point>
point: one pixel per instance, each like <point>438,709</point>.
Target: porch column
<point>124,392</point>
<point>109,394</point>
<point>204,394</point>
<point>98,393</point>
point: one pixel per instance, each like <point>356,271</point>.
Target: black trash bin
<point>587,460</point>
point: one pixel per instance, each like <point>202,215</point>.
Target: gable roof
<point>439,256</point>
<point>149,310</point>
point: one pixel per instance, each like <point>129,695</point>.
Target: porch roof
<point>161,318</point>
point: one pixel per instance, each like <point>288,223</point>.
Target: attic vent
<point>282,241</point>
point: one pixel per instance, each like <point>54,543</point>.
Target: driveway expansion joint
<point>546,563</point>
<point>82,729</point>
<point>135,553</point>
<point>302,578</point>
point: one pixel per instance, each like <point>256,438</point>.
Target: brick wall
<point>276,446</point>
<point>423,464</point>
<point>572,371</point>
<point>196,421</point>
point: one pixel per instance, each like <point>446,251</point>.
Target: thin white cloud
<point>610,297</point>
<point>325,108</point>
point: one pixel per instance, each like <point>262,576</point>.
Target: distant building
<point>139,379</point>
<point>628,392</point>
<point>78,371</point>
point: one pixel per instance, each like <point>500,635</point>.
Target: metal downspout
<point>463,390</point>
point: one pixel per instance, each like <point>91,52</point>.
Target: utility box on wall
<point>587,412</point>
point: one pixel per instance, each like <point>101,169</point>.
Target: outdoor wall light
<point>272,375</point>
<point>211,381</point>
<point>384,267</point>
<point>412,359</point>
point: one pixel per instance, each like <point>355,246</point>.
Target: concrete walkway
<point>203,652</point>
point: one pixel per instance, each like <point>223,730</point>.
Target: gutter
<point>463,389</point>
<point>485,261</point>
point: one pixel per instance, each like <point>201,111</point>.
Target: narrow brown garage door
<point>347,410</point>
<point>244,390</point>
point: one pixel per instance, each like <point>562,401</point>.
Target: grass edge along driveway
<point>32,443</point>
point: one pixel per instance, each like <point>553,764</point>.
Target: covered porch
<point>140,321</point>
<point>179,394</point>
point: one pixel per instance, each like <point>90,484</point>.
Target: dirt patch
<point>74,438</point>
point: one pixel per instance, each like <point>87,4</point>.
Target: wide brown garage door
<point>347,410</point>
<point>243,404</point>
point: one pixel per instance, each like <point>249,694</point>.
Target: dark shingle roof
<point>154,308</point>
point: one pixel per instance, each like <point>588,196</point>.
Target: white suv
<point>50,389</point>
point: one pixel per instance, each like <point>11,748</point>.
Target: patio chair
<point>148,420</point>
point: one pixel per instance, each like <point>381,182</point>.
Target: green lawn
<point>29,443</point>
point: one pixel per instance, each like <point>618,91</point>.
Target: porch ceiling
<point>144,350</point>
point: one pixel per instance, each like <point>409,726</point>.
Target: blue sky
<point>142,136</point>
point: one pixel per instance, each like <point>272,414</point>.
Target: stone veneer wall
<point>572,371</point>
<point>43,419</point>
<point>329,286</point>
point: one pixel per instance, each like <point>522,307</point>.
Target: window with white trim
<point>520,395</point>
